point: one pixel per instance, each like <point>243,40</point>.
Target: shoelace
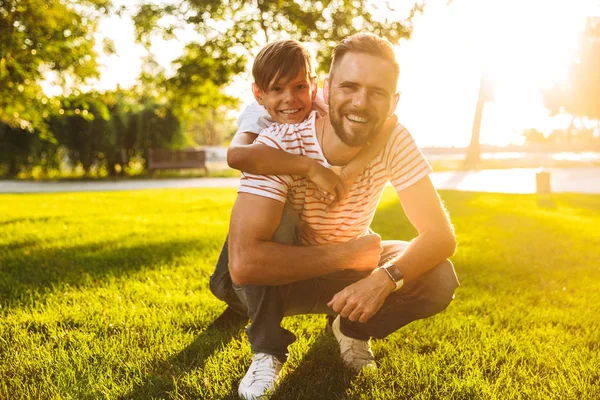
<point>263,368</point>
<point>358,348</point>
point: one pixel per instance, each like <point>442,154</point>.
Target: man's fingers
<point>364,318</point>
<point>347,310</point>
<point>356,315</point>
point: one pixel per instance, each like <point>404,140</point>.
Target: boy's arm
<point>366,154</point>
<point>259,159</point>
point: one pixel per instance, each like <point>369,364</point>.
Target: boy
<point>285,85</point>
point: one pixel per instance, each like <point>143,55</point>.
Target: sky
<point>524,45</point>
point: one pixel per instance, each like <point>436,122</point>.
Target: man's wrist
<point>394,274</point>
<point>383,277</point>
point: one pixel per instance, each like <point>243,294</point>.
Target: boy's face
<point>288,101</point>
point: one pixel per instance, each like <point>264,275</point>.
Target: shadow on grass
<point>317,373</point>
<point>161,375</point>
<point>28,271</point>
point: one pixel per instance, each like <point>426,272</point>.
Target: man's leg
<point>421,298</point>
<point>424,297</point>
<point>221,284</point>
<point>267,305</point>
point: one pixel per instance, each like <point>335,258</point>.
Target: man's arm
<point>256,260</point>
<point>435,243</point>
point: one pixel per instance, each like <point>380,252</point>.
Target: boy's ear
<point>257,94</point>
<point>326,90</point>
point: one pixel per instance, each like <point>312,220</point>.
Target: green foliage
<point>95,131</point>
<point>580,95</point>
<point>236,24</point>
<point>22,150</point>
<point>105,295</point>
<point>40,36</point>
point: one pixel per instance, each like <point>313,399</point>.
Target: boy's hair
<point>281,59</point>
<point>366,43</point>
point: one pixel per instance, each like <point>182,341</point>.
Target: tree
<point>485,95</point>
<point>580,95</point>
<point>235,26</point>
<point>22,150</point>
<point>39,37</point>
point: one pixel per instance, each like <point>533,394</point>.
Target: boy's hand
<point>329,185</point>
<point>321,107</point>
<point>351,170</point>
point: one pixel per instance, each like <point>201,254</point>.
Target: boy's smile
<point>288,101</point>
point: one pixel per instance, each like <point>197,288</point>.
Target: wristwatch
<point>394,273</point>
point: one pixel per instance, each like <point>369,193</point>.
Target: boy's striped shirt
<point>400,162</point>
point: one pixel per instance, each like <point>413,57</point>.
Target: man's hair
<point>365,43</point>
<point>281,59</point>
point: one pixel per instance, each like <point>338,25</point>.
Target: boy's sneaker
<point>356,354</point>
<point>261,377</point>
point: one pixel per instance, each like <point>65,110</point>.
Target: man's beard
<point>337,122</point>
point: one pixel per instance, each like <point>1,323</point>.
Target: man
<point>338,267</point>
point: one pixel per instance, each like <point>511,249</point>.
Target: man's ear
<point>394,103</point>
<point>326,90</point>
<point>257,94</point>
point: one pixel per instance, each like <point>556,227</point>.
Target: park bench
<point>176,159</point>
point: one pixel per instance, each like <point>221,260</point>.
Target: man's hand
<point>361,300</point>
<point>329,185</point>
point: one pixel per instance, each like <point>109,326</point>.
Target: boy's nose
<point>288,95</point>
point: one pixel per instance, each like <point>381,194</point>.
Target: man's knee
<point>439,285</point>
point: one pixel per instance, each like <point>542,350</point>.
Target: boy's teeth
<point>356,118</point>
<point>290,111</point>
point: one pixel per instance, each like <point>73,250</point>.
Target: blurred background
<point>89,88</point>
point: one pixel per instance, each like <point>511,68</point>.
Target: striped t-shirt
<point>399,162</point>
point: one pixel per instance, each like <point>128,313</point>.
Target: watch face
<point>395,272</point>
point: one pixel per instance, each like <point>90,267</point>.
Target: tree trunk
<point>474,149</point>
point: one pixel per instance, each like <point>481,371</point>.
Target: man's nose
<point>360,99</point>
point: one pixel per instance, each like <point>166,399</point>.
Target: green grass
<point>104,295</point>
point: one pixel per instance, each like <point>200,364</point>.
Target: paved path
<point>520,180</point>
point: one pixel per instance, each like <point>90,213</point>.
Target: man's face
<point>361,95</point>
<point>288,101</point>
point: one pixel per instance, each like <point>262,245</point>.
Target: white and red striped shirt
<point>400,162</point>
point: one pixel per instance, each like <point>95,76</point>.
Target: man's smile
<point>357,118</point>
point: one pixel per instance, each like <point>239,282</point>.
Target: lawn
<point>104,295</point>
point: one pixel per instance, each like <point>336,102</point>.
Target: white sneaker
<point>356,354</point>
<point>261,377</point>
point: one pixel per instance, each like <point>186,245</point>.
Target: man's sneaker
<point>356,354</point>
<point>261,377</point>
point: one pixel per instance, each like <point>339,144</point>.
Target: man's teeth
<point>295,110</point>
<point>356,118</point>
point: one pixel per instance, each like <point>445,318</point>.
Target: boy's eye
<point>302,86</point>
<point>275,89</point>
